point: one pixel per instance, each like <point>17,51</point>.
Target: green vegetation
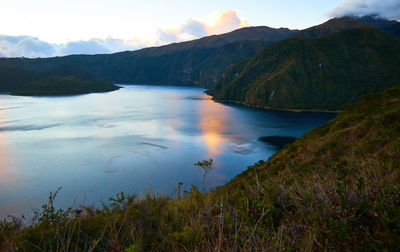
<point>64,86</point>
<point>335,188</point>
<point>314,73</point>
<point>206,167</point>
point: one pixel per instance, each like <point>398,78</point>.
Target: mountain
<point>376,21</point>
<point>256,33</point>
<point>197,62</point>
<point>314,74</point>
<point>394,30</point>
<point>391,27</point>
<point>334,189</point>
<point>330,26</point>
<point>68,69</point>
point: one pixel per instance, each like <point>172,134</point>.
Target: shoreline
<point>276,109</point>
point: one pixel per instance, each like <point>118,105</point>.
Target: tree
<point>206,166</point>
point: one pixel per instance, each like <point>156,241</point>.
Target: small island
<point>60,86</point>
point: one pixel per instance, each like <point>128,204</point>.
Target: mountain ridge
<point>185,63</point>
<point>314,74</point>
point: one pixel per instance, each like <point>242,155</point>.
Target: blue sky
<point>59,27</point>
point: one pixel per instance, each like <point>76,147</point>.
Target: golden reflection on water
<point>213,124</point>
<point>4,152</point>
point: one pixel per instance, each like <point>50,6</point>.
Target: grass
<point>336,188</point>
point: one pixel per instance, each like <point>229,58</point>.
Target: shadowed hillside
<point>314,74</point>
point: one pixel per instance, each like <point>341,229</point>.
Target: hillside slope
<point>334,189</point>
<point>314,74</point>
<point>337,187</point>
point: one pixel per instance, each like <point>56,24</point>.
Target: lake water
<point>136,139</point>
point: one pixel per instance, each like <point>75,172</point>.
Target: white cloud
<point>216,23</point>
<point>32,47</point>
<point>15,46</point>
<point>384,8</point>
<point>86,47</point>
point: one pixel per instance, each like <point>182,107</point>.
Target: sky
<point>43,28</point>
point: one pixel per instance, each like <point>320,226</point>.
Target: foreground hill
<point>334,189</point>
<point>197,62</point>
<point>314,74</point>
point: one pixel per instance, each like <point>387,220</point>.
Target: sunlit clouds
<point>28,46</point>
<point>216,23</point>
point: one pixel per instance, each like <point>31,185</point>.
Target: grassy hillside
<point>314,74</point>
<point>64,86</point>
<point>335,188</point>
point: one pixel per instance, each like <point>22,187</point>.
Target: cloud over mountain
<point>15,46</point>
<point>32,47</point>
<point>216,23</point>
<point>389,9</point>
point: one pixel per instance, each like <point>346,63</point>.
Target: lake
<point>136,139</point>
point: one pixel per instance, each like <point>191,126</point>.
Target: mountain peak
<point>375,20</point>
<point>331,26</point>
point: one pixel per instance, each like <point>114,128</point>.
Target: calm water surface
<point>136,139</point>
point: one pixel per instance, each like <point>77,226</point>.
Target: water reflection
<point>213,125</point>
<point>4,151</point>
<point>135,138</point>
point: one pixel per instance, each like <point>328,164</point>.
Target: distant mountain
<point>197,62</point>
<point>391,27</point>
<point>376,21</point>
<point>256,33</point>
<point>394,30</point>
<point>340,24</point>
<point>329,27</point>
<point>314,74</point>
